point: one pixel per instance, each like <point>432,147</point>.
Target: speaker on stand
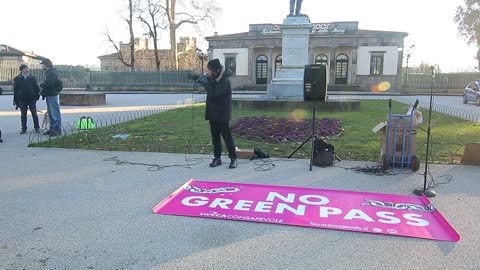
<point>315,83</point>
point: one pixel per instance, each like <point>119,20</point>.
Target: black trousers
<point>24,106</point>
<point>223,129</point>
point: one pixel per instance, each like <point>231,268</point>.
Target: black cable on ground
<point>371,170</point>
<point>152,166</point>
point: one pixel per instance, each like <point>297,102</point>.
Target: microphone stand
<point>427,191</point>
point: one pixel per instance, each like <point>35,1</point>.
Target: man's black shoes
<point>233,164</point>
<point>216,162</point>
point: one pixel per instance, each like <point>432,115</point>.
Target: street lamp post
<point>409,54</point>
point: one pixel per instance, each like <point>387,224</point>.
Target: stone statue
<point>295,5</point>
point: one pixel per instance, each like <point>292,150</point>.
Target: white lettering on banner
<point>272,195</point>
<point>199,201</point>
<point>326,211</point>
<point>357,214</point>
<point>300,211</point>
<point>306,199</point>
<point>241,204</point>
<point>388,218</point>
<point>222,203</point>
<point>415,217</point>
<point>263,207</point>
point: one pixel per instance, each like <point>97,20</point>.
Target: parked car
<point>472,93</point>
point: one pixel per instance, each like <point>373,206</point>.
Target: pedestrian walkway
<point>72,209</point>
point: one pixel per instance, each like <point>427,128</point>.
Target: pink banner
<point>319,208</point>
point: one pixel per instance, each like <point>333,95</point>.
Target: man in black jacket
<point>25,95</point>
<point>50,92</point>
<point>219,110</point>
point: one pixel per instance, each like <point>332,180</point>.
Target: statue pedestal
<point>288,80</point>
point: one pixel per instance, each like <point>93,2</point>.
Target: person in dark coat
<point>219,110</point>
<point>25,95</point>
<point>50,93</point>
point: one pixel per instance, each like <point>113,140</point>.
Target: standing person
<point>50,93</point>
<point>25,95</point>
<point>1,136</point>
<point>219,110</point>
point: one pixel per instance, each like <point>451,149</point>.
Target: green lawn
<point>185,131</point>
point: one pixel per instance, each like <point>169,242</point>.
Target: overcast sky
<point>72,32</point>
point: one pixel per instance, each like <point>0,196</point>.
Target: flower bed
<point>275,130</point>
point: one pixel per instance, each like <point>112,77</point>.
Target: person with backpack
<point>25,95</point>
<point>50,89</point>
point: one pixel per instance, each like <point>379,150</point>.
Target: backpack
<point>85,122</point>
<point>59,85</point>
<point>324,153</point>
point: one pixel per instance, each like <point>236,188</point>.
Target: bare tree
<point>152,21</point>
<point>129,20</point>
<point>196,12</point>
<point>468,19</point>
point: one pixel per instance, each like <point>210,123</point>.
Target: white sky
<point>72,32</point>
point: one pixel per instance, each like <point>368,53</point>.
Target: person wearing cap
<point>25,95</point>
<point>219,110</point>
<point>50,93</point>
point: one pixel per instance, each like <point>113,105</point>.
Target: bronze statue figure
<point>295,5</point>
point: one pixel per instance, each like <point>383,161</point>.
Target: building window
<point>278,63</point>
<point>376,64</point>
<point>231,64</point>
<point>321,59</point>
<point>341,69</point>
<point>262,69</point>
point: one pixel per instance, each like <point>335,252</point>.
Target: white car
<point>472,93</point>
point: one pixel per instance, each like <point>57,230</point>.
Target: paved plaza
<point>71,209</point>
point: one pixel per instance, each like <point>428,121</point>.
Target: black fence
<point>82,79</point>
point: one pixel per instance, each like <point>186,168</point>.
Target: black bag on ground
<point>324,153</point>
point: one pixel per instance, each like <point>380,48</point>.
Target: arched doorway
<point>278,63</point>
<point>262,69</point>
<point>341,69</point>
<point>321,59</point>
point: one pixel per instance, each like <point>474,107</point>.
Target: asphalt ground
<point>71,209</point>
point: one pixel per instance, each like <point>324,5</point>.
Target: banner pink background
<point>329,209</point>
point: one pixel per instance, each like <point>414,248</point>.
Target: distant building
<point>356,58</point>
<point>144,56</point>
<point>10,56</point>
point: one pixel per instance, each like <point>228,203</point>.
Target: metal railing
<point>80,79</point>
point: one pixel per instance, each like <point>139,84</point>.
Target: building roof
<point>6,50</point>
<point>162,53</point>
<point>361,32</point>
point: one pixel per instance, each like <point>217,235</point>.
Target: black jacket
<point>49,86</point>
<point>25,89</point>
<point>219,98</point>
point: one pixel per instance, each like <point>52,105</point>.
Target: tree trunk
<point>171,6</point>
<point>478,57</point>
<point>132,37</point>
<point>155,45</point>
<point>173,46</point>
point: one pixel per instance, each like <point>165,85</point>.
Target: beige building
<point>10,56</point>
<point>356,58</point>
<point>145,57</point>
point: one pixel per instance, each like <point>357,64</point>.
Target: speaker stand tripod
<point>310,138</point>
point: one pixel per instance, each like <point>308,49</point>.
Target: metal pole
<point>427,191</point>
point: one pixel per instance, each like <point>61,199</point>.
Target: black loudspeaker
<point>315,83</point>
